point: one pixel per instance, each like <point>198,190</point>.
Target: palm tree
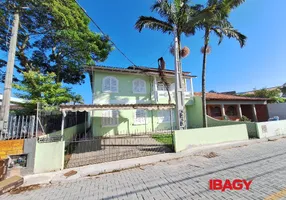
<point>219,25</point>
<point>175,17</point>
<point>77,99</point>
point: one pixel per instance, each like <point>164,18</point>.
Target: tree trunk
<point>204,102</point>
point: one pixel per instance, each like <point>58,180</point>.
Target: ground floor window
<point>164,116</point>
<point>140,117</point>
<point>110,118</point>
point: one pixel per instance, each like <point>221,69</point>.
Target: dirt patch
<point>237,146</point>
<point>210,155</point>
<point>70,173</point>
<point>272,140</point>
<point>25,189</point>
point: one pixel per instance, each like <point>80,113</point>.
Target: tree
<point>36,87</point>
<point>178,17</point>
<point>77,99</point>
<point>273,95</point>
<point>54,36</point>
<point>220,26</point>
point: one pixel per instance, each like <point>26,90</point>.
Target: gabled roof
<point>217,96</point>
<point>134,70</point>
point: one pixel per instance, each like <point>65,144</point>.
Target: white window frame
<point>110,114</point>
<point>133,86</point>
<point>111,78</point>
<point>161,119</point>
<point>142,120</point>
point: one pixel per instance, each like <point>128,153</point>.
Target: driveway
<point>185,178</point>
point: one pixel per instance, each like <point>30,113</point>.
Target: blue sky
<point>261,63</point>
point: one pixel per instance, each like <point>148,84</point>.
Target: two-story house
<point>133,85</point>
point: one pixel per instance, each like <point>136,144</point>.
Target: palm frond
<point>218,33</point>
<point>153,24</point>
<point>164,9</point>
<point>232,33</point>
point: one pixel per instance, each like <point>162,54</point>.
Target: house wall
<point>126,124</point>
<point>262,113</point>
<point>277,109</point>
<point>192,137</point>
<point>272,128</point>
<point>125,95</point>
<point>195,119</point>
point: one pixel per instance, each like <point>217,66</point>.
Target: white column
<point>239,111</point>
<point>254,112</point>
<point>191,87</point>
<point>155,89</point>
<point>222,110</point>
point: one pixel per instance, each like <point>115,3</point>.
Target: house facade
<point>134,86</point>
<point>231,107</point>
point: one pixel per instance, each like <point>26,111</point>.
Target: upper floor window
<point>110,84</point>
<point>110,118</point>
<point>162,87</point>
<point>139,86</point>
<point>140,117</point>
<point>164,116</point>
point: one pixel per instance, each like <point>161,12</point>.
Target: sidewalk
<point>109,167</point>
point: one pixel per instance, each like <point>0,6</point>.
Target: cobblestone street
<point>185,178</point>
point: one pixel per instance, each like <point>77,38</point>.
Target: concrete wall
<point>49,157</point>
<point>186,138</point>
<point>251,126</point>
<point>277,109</point>
<point>272,128</point>
<point>195,114</point>
<point>69,133</point>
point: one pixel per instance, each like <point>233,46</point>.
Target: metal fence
<point>19,127</point>
<point>87,149</point>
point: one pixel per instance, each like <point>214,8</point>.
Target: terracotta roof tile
<point>217,96</point>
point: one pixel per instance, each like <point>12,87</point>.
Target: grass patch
<point>164,138</point>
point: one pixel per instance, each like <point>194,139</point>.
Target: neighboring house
<point>234,107</point>
<point>14,102</point>
<point>133,85</point>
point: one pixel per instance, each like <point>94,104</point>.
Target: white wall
<point>49,157</point>
<point>277,109</point>
<point>272,128</point>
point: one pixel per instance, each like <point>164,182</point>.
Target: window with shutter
<point>140,117</point>
<point>110,84</point>
<point>139,86</point>
<point>110,118</point>
<point>164,116</point>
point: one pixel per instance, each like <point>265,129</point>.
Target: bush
<point>244,119</point>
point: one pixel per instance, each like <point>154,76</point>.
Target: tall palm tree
<point>175,17</point>
<point>220,26</point>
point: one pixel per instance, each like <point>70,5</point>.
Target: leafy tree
<point>36,87</point>
<point>218,24</point>
<point>273,95</point>
<point>54,36</point>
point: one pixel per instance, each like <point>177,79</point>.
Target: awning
<point>92,107</point>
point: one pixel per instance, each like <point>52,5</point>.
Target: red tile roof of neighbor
<point>217,96</point>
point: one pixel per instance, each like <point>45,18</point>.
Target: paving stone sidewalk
<point>184,178</point>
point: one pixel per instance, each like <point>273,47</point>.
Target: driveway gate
<point>86,149</point>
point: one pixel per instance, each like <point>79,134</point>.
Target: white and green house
<point>134,86</point>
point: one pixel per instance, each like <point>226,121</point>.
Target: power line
<point>98,27</point>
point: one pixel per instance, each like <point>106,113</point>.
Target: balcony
<point>163,97</point>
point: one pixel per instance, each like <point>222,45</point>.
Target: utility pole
<point>4,114</point>
<point>179,92</point>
